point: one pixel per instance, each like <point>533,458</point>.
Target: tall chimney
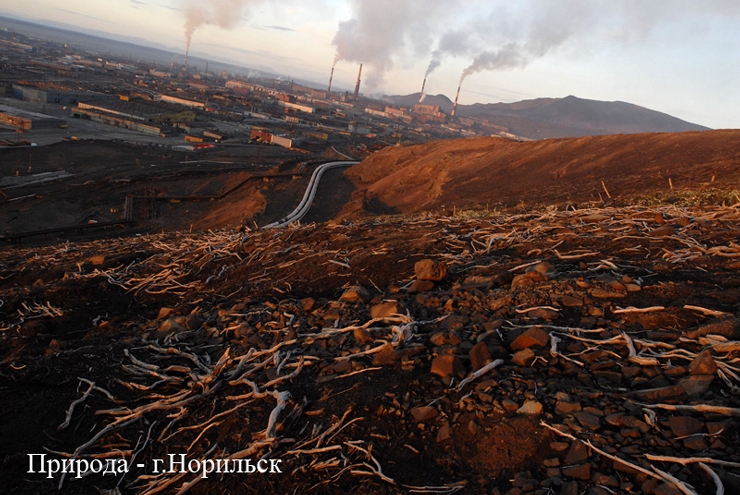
<point>454,107</point>
<point>357,86</point>
<point>330,79</point>
<point>423,85</point>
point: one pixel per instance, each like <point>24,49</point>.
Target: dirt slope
<point>497,172</point>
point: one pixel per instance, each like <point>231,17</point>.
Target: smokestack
<point>423,85</point>
<point>357,86</point>
<point>330,79</point>
<point>454,107</point>
<point>186,56</point>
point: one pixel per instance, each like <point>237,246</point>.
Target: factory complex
<point>48,85</point>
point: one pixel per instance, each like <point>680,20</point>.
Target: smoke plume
<point>509,56</point>
<point>382,32</point>
<point>222,13</point>
<point>433,64</point>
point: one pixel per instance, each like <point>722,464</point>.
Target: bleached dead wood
<point>699,408</point>
<point>658,474</point>
<point>477,374</point>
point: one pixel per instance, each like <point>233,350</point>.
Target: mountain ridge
<point>570,116</point>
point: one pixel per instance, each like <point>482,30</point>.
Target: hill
<point>505,173</point>
<point>572,116</point>
<point>561,117</point>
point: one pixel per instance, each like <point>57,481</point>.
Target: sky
<point>681,57</point>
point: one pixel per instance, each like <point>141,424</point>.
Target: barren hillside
<point>497,172</point>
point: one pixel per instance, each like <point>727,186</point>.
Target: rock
<point>531,407</point>
<point>695,385</point>
<point>577,454</point>
<point>444,433</point>
<point>588,420</point>
<point>499,303</point>
<point>308,303</point>
<point>523,357</point>
<point>447,365</point>
<point>532,337</point>
<point>169,326</point>
<point>509,405</point>
<point>562,407</point>
<point>355,294</point>
<point>424,413</point>
<point>165,313</point>
<point>421,286</point>
<point>703,364</point>
<point>582,472</point>
<point>696,442</point>
<point>543,267</point>
<point>438,339</point>
<point>559,446</point>
<point>382,310</point>
<point>637,424</point>
<point>569,488</point>
<point>527,279</point>
<point>571,302</point>
<point>387,355</point>
<point>362,337</point>
<point>430,270</point>
<point>97,260</point>
<point>479,356</point>
<point>683,426</point>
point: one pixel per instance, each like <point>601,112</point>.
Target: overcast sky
<point>681,57</point>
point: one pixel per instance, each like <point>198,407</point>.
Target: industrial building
<point>23,119</point>
<point>53,94</point>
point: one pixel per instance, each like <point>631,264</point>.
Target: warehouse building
<point>22,119</point>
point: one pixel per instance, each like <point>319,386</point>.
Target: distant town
<point>49,86</point>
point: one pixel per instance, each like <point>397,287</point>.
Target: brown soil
<point>92,311</point>
<point>496,172</point>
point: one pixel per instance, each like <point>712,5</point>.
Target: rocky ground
<point>588,351</point>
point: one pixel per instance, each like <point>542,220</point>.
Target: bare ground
<point>374,374</point>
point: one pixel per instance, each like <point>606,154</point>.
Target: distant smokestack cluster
<point>454,106</point>
<point>359,79</point>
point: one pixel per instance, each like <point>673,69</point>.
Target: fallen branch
<point>699,408</point>
<point>476,374</point>
<point>708,312</point>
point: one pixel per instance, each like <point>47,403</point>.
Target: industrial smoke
<point>382,32</point>
<point>222,13</point>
